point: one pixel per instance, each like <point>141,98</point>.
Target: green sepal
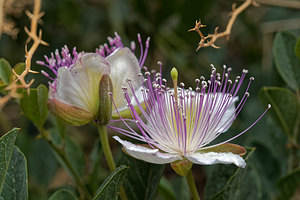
<point>105,100</point>
<point>181,167</point>
<point>226,148</point>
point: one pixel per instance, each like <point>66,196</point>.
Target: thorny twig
<point>18,80</point>
<point>210,39</point>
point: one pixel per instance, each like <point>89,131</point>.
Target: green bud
<point>105,101</point>
<point>181,167</point>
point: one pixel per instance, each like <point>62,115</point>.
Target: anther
<point>245,71</point>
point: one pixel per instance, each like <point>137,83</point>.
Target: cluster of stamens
<point>116,42</point>
<point>67,59</point>
<point>185,121</point>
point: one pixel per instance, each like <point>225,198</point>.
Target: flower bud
<point>181,167</point>
<point>105,101</point>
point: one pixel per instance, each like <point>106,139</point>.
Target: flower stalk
<point>192,185</point>
<point>106,148</point>
<point>102,130</point>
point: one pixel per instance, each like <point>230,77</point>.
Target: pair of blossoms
<point>176,125</point>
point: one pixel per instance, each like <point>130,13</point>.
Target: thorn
<point>215,46</point>
<point>34,72</point>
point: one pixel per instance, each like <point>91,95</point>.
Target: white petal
<point>79,85</point>
<point>228,115</point>
<point>139,96</point>
<point>124,65</point>
<point>211,158</point>
<point>147,154</point>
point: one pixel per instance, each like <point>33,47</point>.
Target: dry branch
<point>36,36</point>
<point>210,39</point>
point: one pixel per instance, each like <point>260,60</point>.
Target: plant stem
<point>192,185</point>
<point>108,155</point>
<point>61,154</point>
<point>106,148</point>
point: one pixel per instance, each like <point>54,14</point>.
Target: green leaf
<point>63,194</point>
<point>165,189</point>
<point>73,153</point>
<point>42,164</point>
<point>143,178</point>
<point>7,143</point>
<point>284,106</point>
<point>181,188</point>
<point>289,184</point>
<point>98,172</point>
<point>19,68</point>
<point>175,189</point>
<point>297,48</point>
<point>5,71</point>
<point>34,105</point>
<point>110,188</point>
<point>225,181</point>
<point>288,65</point>
<point>15,184</point>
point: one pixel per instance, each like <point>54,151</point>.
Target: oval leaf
<point>7,143</point>
<point>19,68</point>
<point>110,188</point>
<point>5,71</point>
<point>63,194</point>
<point>287,64</point>
<point>143,178</point>
<point>15,184</point>
<point>73,152</point>
<point>284,106</point>
<point>34,105</point>
<point>227,182</point>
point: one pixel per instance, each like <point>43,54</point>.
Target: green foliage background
<point>87,23</point>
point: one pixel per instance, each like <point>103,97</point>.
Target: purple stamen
<point>64,59</point>
<point>141,46</point>
<point>185,124</point>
